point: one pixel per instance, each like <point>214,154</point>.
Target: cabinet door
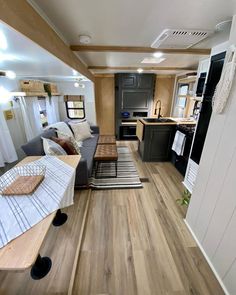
<point>145,81</point>
<point>135,99</point>
<point>129,81</point>
<point>160,140</point>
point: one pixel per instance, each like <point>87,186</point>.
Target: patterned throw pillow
<point>66,145</point>
<point>76,144</point>
<point>52,148</point>
<point>62,127</point>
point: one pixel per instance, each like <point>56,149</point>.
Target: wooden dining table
<point>23,252</point>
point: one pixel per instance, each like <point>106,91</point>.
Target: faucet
<point>159,110</point>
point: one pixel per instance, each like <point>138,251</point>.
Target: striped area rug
<point>127,175</point>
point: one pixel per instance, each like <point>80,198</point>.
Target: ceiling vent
<point>180,39</point>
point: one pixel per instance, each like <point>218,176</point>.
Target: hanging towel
<point>223,88</point>
<point>179,143</point>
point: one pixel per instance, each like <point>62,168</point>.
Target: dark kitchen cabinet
<point>134,95</point>
<point>157,142</point>
<point>129,81</point>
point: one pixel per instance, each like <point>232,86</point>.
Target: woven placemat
<point>23,185</point>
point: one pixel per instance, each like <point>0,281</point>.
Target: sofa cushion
<point>91,141</point>
<point>35,146</point>
<point>88,153</point>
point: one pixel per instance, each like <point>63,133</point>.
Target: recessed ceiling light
<point>76,84</point>
<point>10,75</point>
<point>3,41</point>
<point>157,54</point>
<point>75,73</point>
<point>139,70</point>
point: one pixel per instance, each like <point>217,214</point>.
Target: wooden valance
<point>73,97</point>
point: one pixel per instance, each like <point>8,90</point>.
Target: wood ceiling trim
<point>144,68</point>
<point>136,49</point>
<point>21,16</point>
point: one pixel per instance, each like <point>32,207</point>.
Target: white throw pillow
<point>78,121</point>
<point>52,148</point>
<point>81,130</point>
<point>62,127</point>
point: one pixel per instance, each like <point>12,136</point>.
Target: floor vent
<point>143,179</point>
<point>180,39</point>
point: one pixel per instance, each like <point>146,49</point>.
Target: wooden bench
<point>107,139</point>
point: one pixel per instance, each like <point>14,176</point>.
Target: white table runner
<point>19,213</point>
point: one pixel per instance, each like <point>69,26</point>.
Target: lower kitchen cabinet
<point>156,143</point>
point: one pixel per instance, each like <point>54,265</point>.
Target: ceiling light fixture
<point>139,70</point>
<point>157,54</point>
<point>3,41</point>
<point>75,73</point>
<point>152,60</point>
<point>11,75</point>
<point>84,39</point>
<point>77,84</point>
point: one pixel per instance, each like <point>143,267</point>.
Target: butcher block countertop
<point>177,121</point>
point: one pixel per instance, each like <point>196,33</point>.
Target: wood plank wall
<point>164,91</point>
<point>105,104</point>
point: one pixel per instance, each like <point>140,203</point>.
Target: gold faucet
<point>159,109</point>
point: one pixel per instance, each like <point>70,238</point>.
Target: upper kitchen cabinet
<point>128,80</point>
<point>137,81</point>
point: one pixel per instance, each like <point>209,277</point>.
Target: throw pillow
<point>66,145</point>
<point>76,144</point>
<point>77,121</point>
<point>81,130</point>
<point>62,127</point>
<point>52,148</point>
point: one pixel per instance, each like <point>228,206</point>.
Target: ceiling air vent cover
<point>180,39</point>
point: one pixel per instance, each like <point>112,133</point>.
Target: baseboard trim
<point>207,259</point>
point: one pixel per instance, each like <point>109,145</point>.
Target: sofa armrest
<point>95,129</point>
<point>81,178</point>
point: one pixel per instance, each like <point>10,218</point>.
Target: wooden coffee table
<point>107,139</point>
<point>105,153</point>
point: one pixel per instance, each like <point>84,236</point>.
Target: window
<point>75,109</point>
<point>43,112</point>
<point>182,95</point>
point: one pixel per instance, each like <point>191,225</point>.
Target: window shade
<point>73,98</point>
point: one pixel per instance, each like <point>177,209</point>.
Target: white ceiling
<point>133,23</point>
<point>27,59</point>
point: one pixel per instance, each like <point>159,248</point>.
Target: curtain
<point>52,110</point>
<point>7,149</point>
<point>31,116</point>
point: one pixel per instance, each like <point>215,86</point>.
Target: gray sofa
<point>84,170</point>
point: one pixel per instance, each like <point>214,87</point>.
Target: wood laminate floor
<point>60,245</point>
<point>135,242</point>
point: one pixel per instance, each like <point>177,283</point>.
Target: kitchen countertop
<point>177,121</point>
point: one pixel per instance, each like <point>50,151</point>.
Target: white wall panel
<point>212,211</point>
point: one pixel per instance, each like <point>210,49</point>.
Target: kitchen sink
<point>158,120</point>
